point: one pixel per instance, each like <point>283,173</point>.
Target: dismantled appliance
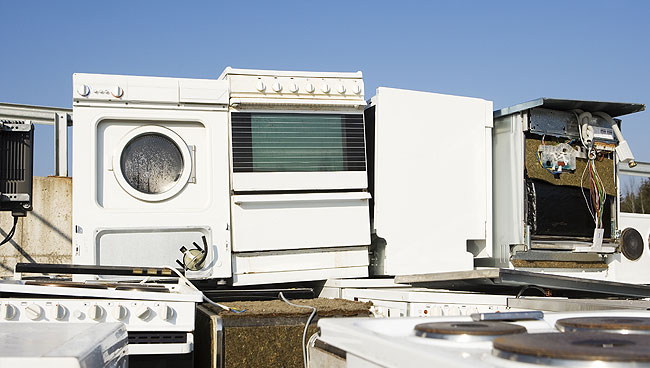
<point>511,339</point>
<point>555,187</point>
<point>259,177</point>
<point>159,317</point>
<point>429,159</point>
<point>63,345</point>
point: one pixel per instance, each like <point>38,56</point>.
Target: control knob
<point>95,312</point>
<point>143,312</point>
<point>260,86</point>
<point>356,89</point>
<point>293,88</point>
<point>83,90</point>
<point>277,87</point>
<point>340,89</point>
<point>119,312</point>
<point>117,92</point>
<point>165,312</point>
<point>7,311</point>
<point>33,311</point>
<point>57,311</point>
<point>325,88</point>
<point>309,88</point>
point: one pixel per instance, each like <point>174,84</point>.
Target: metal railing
<point>59,117</point>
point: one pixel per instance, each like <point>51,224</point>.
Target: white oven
<point>298,174</point>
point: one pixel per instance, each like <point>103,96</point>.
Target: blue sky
<point>504,51</point>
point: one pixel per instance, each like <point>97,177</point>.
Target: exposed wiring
<point>304,334</point>
<point>205,298</point>
<point>598,195</point>
<point>539,159</point>
<point>11,232</point>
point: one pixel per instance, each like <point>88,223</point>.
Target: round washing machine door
<point>152,163</point>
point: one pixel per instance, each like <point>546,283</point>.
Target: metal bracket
<point>21,197</point>
<point>16,126</point>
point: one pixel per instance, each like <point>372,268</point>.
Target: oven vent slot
<point>147,337</point>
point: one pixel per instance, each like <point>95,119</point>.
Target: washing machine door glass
<point>151,163</point>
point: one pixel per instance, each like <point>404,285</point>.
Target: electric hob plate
<point>624,325</point>
<point>575,349</point>
<point>467,331</point>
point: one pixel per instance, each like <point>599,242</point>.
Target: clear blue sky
<point>504,51</point>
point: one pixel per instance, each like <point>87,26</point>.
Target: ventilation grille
<point>16,164</point>
<point>293,142</point>
<point>157,337</point>
<point>15,158</point>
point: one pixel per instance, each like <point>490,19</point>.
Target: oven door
<point>299,181</point>
<point>297,151</point>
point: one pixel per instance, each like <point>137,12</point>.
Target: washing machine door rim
<point>168,191</point>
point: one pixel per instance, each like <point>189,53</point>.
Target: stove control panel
<point>137,315</point>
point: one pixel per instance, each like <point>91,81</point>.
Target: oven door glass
<point>270,142</point>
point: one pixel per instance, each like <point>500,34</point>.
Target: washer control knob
<point>33,311</point>
<point>277,87</point>
<point>293,88</point>
<point>119,312</point>
<point>260,86</point>
<point>57,311</point>
<point>83,90</point>
<point>117,92</point>
<point>165,312</point>
<point>78,314</point>
<point>325,88</point>
<point>310,88</point>
<point>7,311</point>
<point>95,312</point>
<point>143,312</point>
<point>356,89</point>
<point>340,89</point>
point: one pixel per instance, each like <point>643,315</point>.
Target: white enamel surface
<point>427,228</point>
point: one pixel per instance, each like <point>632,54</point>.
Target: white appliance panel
<point>432,191</point>
<point>298,221</point>
<point>181,191</point>
<point>622,269</point>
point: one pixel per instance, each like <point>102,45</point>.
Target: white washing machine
<point>151,172</point>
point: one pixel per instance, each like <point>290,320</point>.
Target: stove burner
<point>624,325</point>
<point>571,349</point>
<point>59,283</point>
<point>467,331</point>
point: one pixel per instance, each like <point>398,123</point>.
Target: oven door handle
<point>309,197</point>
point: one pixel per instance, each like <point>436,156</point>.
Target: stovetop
<point>582,339</point>
<point>176,291</point>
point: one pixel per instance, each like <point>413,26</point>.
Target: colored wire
<point>598,194</point>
